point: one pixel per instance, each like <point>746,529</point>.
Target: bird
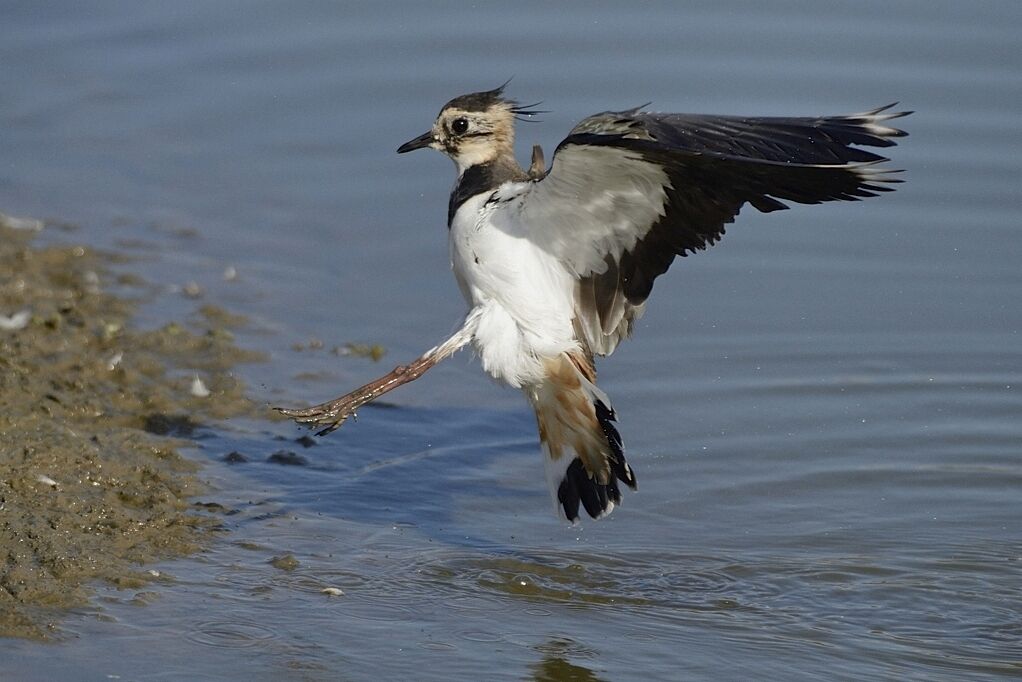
<point>556,264</point>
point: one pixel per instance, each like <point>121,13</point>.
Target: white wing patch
<point>596,201</point>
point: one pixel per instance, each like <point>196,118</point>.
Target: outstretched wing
<point>629,191</point>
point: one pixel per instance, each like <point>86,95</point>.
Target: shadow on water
<point>404,466</point>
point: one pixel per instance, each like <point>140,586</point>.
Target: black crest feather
<point>481,101</point>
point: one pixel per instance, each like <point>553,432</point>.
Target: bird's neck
<point>483,177</point>
<point>471,154</point>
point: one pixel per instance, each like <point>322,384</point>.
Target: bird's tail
<point>581,446</point>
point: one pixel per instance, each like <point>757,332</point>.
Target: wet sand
<point>92,413</point>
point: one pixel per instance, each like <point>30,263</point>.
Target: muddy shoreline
<point>92,414</point>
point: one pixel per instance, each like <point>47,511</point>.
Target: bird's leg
<point>333,413</point>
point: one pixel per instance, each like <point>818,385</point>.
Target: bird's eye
<point>460,125</point>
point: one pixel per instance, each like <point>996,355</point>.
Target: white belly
<point>525,296</point>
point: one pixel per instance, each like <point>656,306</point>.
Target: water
<point>823,411</point>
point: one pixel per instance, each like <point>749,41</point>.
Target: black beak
<point>421,141</point>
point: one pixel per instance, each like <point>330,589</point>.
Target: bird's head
<point>473,129</point>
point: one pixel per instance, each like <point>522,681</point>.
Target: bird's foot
<point>331,414</point>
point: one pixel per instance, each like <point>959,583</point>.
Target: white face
<point>472,137</point>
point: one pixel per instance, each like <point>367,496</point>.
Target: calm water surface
<point>824,411</point>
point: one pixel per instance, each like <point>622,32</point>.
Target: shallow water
<point>823,411</point>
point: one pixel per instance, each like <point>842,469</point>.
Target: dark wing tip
<point>893,114</point>
<point>873,123</point>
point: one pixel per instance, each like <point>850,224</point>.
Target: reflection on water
<point>554,668</point>
<point>823,410</point>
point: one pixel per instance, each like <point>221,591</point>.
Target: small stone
<point>360,350</point>
<point>287,458</point>
<point>198,388</point>
<point>177,425</point>
<point>285,562</point>
<point>30,224</point>
<point>235,457</point>
<point>46,480</point>
<point>91,280</point>
<point>18,320</point>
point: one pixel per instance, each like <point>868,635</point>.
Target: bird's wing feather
<point>629,191</point>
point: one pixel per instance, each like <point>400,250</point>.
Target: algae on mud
<point>91,411</point>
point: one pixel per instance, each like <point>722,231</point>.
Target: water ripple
<point>233,634</point>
